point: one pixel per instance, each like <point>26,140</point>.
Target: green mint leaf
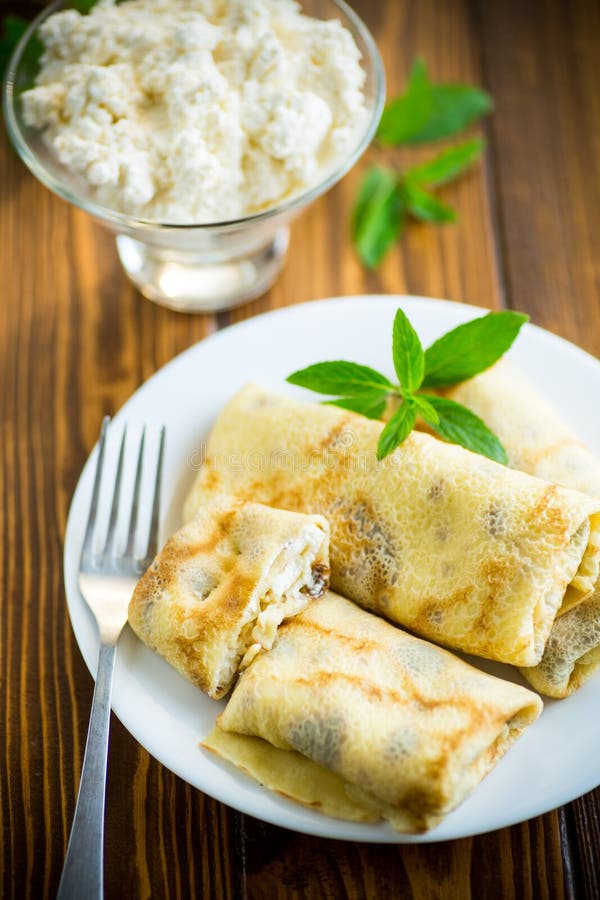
<point>340,377</point>
<point>397,429</point>
<point>425,206</point>
<point>427,112</point>
<point>409,359</point>
<point>13,29</point>
<point>459,425</point>
<point>367,188</point>
<point>446,166</point>
<point>471,348</point>
<point>454,107</point>
<point>406,115</point>
<point>377,216</point>
<point>370,405</point>
<point>425,409</point>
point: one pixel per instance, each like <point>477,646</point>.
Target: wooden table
<point>76,340</point>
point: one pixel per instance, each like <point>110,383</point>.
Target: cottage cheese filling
<point>195,111</point>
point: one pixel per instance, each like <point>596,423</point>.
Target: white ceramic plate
<point>555,761</point>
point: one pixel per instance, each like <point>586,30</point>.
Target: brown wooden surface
<point>76,340</point>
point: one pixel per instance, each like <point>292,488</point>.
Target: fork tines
<point>134,452</point>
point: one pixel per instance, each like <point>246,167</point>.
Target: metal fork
<point>106,581</point>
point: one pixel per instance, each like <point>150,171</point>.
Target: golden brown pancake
<point>350,715</point>
<point>216,593</point>
<point>538,442</point>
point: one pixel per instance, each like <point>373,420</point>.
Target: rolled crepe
<point>457,548</point>
<point>537,441</point>
<point>216,593</point>
<point>405,729</point>
<point>572,653</point>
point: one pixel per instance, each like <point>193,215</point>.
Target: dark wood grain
<point>542,63</point>
<point>76,340</point>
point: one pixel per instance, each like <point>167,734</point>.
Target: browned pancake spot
<point>211,477</point>
<point>551,516</point>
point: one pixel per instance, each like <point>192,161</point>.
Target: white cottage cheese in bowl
<point>196,111</point>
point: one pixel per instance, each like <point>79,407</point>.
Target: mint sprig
<point>386,198</point>
<point>461,353</point>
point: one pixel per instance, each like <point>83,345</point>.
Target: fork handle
<point>82,874</point>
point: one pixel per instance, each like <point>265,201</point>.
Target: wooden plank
<point>542,62</point>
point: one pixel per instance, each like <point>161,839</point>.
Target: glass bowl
<point>196,267</point>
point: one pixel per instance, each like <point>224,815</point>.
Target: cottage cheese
<point>196,110</point>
